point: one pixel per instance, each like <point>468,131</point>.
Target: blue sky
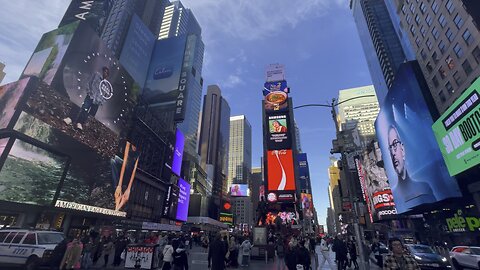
<point>316,40</point>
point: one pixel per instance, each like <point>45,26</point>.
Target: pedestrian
<point>352,251</point>
<point>303,255</point>
<point>205,243</point>
<point>246,247</point>
<point>87,257</point>
<point>340,249</point>
<point>280,253</point>
<point>216,254</point>
<point>107,249</point>
<point>167,255</point>
<point>323,254</point>
<point>180,259</point>
<point>73,255</point>
<point>291,257</point>
<point>377,253</point>
<point>58,253</point>
<point>120,245</point>
<point>233,247</point>
<point>398,259</point>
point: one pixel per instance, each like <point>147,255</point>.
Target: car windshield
<point>422,249</point>
<point>49,238</point>
<point>475,250</point>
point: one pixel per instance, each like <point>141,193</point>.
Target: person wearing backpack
<point>280,253</point>
<point>246,248</point>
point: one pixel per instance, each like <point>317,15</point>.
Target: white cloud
<point>232,81</point>
<point>22,23</point>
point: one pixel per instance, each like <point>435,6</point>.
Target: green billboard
<point>458,131</point>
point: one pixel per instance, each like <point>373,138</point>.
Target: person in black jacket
<point>291,257</point>
<point>352,250</point>
<point>340,249</point>
<point>180,259</point>
<point>303,256</point>
<point>216,254</point>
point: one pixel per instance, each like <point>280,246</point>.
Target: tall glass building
<point>240,151</point>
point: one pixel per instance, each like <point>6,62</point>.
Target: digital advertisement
<point>10,95</point>
<point>278,132</point>
<point>276,96</point>
<point>124,170</point>
<point>95,13</point>
<point>183,200</point>
<point>303,172</point>
<point>458,131</point>
<point>171,202</point>
<point>239,190</point>
<point>414,164</point>
<point>178,152</point>
<point>280,168</point>
<point>307,204</point>
<point>275,72</point>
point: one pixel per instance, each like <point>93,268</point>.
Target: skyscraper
<point>361,112</point>
<point>178,20</point>
<point>297,137</point>
<point>214,139</point>
<point>2,73</point>
<point>240,151</point>
<point>446,39</point>
<point>381,45</point>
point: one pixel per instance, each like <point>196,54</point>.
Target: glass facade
<point>240,150</point>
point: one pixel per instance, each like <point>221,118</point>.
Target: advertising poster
<point>412,159</point>
<point>275,101</point>
<point>239,190</point>
<point>140,255</point>
<point>171,202</point>
<point>123,174</point>
<point>183,200</point>
<point>278,132</point>
<point>178,152</point>
<point>365,195</point>
<point>458,131</point>
<point>280,170</point>
<point>303,172</point>
<point>285,217</point>
<point>137,50</point>
<point>161,86</point>
<point>95,13</point>
<point>10,95</point>
<point>307,204</point>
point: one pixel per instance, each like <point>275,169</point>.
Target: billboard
<point>183,200</point>
<point>275,72</point>
<point>10,95</point>
<point>275,101</point>
<point>226,218</point>
<point>95,13</point>
<point>303,172</point>
<point>412,160</point>
<point>178,152</point>
<point>458,131</point>
<point>239,190</point>
<point>171,202</point>
<point>123,174</point>
<point>365,195</point>
<point>307,204</point>
<point>278,132</point>
<point>137,50</point>
<point>280,170</point>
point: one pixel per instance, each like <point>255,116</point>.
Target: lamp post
<point>343,152</point>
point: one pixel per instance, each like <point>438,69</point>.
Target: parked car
<point>427,258</point>
<point>465,256</point>
<point>28,248</point>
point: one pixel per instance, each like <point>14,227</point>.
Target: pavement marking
<point>199,262</point>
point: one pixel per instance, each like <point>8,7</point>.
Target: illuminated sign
<point>280,170</point>
<point>459,223</point>
<point>88,208</point>
<point>178,152</point>
<point>458,131</point>
<point>239,190</point>
<point>183,200</point>
<point>226,218</point>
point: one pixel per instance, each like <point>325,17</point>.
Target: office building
<point>178,20</point>
<point>256,188</point>
<point>240,151</point>
<point>359,113</point>
<point>214,139</point>
<point>297,137</point>
<point>243,212</point>
<point>381,45</point>
<point>446,38</point>
<point>2,73</point>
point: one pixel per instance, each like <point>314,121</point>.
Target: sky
<point>316,40</point>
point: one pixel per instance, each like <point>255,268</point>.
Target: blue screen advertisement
<point>178,152</point>
<point>412,159</point>
<point>303,171</point>
<point>183,200</point>
<point>137,50</point>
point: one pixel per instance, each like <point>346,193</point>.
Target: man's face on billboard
<point>397,152</point>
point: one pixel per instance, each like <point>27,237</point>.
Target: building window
<point>435,7</point>
<point>409,19</point>
<point>450,7</point>
<point>442,72</point>
<point>449,34</point>
<point>435,33</point>
<point>458,78</point>
<point>476,54</point>
<point>404,9</point>
<point>467,67</point>
<point>450,63</point>
<point>441,46</point>
<point>423,31</point>
<point>418,41</point>
<point>458,21</point>
<point>442,20</point>
<point>435,81</point>
<point>442,97</point>
<point>417,19</point>
<point>435,58</point>
<point>458,50</point>
<point>429,44</point>
<point>449,88</point>
<point>412,7</point>
<point>429,20</point>
<point>467,36</point>
<point>429,67</point>
<point>413,30</point>
<point>423,54</point>
<point>423,8</point>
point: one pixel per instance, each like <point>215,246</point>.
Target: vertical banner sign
<point>280,170</point>
<point>458,131</point>
<point>361,176</point>
<point>187,65</point>
<point>183,200</point>
<point>178,152</point>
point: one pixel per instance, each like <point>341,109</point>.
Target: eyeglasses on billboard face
<point>394,146</point>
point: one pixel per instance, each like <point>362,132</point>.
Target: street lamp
<point>348,174</point>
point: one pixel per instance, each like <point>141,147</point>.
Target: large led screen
<point>303,172</point>
<point>124,170</point>
<point>95,13</point>
<point>276,96</point>
<point>183,200</point>
<point>458,131</point>
<point>278,132</point>
<point>239,190</point>
<point>307,204</point>
<point>137,50</point>
<point>414,164</point>
<point>10,95</point>
<point>178,152</point>
<point>280,170</point>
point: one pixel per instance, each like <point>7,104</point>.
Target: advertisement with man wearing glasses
<point>412,159</point>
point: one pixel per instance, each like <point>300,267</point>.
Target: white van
<point>30,248</point>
